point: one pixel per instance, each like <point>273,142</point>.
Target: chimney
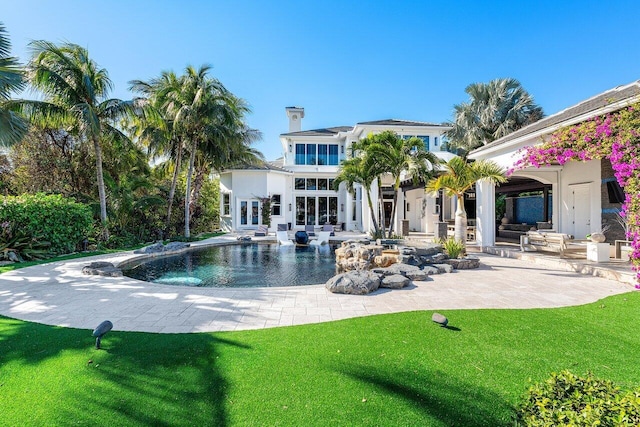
<point>295,115</point>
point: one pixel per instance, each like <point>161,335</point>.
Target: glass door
<point>249,212</point>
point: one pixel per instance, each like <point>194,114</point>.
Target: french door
<point>249,212</point>
<point>316,210</point>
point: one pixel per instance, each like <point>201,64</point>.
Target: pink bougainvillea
<point>615,136</point>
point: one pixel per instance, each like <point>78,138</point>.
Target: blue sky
<point>348,61</point>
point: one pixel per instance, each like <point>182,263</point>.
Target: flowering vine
<point>614,136</point>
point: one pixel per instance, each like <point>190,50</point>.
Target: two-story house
<point>300,183</point>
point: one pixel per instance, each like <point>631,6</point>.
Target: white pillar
<point>485,213</point>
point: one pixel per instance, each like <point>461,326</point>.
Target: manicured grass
<point>396,370</point>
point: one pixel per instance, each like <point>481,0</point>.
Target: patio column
<point>485,213</point>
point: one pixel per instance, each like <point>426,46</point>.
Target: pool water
<point>245,265</point>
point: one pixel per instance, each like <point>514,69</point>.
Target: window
<point>323,156</point>
<point>317,154</point>
<point>311,154</point>
<point>300,210</point>
<point>226,204</point>
<point>275,205</point>
<point>435,141</point>
<point>311,183</point>
<point>243,213</point>
<point>300,154</point>
<point>425,139</point>
<point>314,184</point>
<point>333,154</point>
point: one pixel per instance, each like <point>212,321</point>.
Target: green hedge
<point>62,222</point>
<point>566,399</point>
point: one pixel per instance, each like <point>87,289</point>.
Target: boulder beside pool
<point>102,268</point>
<point>359,282</point>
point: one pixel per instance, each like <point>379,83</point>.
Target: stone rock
<point>101,268</point>
<point>430,270</point>
<point>438,257</point>
<point>13,257</point>
<point>169,247</point>
<point>429,249</point>
<point>408,251</point>
<point>385,260</point>
<point>410,271</point>
<point>395,281</point>
<point>464,263</point>
<point>411,260</point>
<point>176,246</point>
<point>354,255</point>
<point>354,283</point>
<point>443,268</point>
<point>440,319</point>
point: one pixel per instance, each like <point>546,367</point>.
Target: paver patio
<point>59,294</point>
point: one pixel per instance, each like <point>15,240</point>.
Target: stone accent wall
<point>615,231</point>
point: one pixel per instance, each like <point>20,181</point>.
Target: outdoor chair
<point>310,230</point>
<point>323,238</point>
<point>330,228</point>
<point>282,227</point>
<point>262,231</point>
<point>283,238</point>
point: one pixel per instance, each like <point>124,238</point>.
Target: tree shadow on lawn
<point>439,396</point>
<point>135,379</point>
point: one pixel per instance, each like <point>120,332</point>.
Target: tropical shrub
<point>16,245</point>
<point>567,399</point>
<point>52,218</point>
<point>453,247</point>
<point>614,136</point>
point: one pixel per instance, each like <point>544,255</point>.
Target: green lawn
<point>396,370</point>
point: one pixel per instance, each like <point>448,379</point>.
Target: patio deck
<point>59,294</point>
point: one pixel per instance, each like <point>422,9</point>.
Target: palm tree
<point>494,110</point>
<point>401,157</point>
<point>356,171</point>
<point>12,126</point>
<point>76,99</point>
<point>155,124</point>
<point>458,178</point>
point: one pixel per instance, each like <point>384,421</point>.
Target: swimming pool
<point>245,265</point>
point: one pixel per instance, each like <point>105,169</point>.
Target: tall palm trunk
<point>198,182</point>
<point>101,189</point>
<point>376,227</point>
<point>187,195</point>
<point>460,233</point>
<point>174,183</point>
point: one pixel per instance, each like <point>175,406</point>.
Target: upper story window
<point>424,138</point>
<point>317,154</point>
